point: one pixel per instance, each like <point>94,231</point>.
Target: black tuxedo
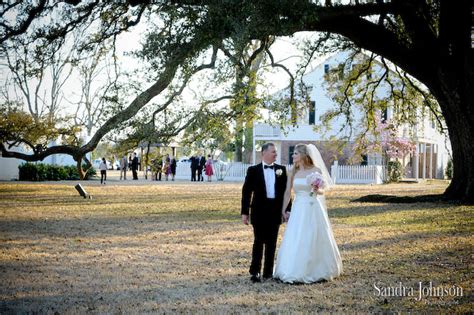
<point>194,166</point>
<point>135,167</point>
<point>265,214</point>
<point>202,162</point>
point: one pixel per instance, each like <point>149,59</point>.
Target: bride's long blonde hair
<point>302,149</point>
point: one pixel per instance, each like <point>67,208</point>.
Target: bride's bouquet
<point>316,181</point>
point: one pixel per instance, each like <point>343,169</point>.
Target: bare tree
<point>39,81</point>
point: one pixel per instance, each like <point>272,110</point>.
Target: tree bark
<point>459,117</point>
<point>453,90</point>
<point>239,139</point>
<point>147,159</point>
<point>80,170</point>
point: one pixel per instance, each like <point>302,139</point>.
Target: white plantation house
<point>429,160</point>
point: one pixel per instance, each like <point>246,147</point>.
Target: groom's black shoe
<point>267,277</point>
<point>255,278</point>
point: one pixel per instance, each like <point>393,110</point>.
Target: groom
<point>262,197</point>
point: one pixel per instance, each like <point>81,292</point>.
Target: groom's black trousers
<point>265,240</point>
<point>264,236</point>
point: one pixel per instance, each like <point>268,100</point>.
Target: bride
<point>308,252</point>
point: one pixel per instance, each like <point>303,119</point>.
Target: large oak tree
<point>429,39</point>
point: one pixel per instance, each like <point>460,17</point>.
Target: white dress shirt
<point>269,175</point>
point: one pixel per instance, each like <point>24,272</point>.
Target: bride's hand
<point>286,216</point>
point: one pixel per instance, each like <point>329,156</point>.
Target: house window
<point>312,112</point>
<point>365,160</point>
<point>326,68</point>
<point>291,149</point>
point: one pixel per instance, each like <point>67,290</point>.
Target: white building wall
<point>9,168</point>
<point>423,132</point>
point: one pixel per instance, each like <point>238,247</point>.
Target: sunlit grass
<point>182,247</point>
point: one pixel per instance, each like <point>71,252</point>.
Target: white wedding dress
<point>308,252</point>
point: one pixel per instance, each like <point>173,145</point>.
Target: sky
<point>284,50</point>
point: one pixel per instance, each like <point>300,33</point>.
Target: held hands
<point>285,216</point>
<point>245,219</point>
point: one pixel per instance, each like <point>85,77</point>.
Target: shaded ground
<point>180,247</point>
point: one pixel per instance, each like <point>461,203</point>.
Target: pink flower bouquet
<point>316,181</point>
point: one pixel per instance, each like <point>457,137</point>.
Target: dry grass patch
<point>181,247</point>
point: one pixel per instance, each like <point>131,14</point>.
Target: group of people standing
<point>164,165</point>
<point>200,163</point>
<point>125,164</point>
<point>130,164</point>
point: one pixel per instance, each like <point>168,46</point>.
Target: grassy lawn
<point>181,247</point>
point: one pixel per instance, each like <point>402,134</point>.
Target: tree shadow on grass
<point>391,241</point>
<point>367,210</point>
<point>433,198</point>
<point>231,292</point>
<point>114,226</point>
<point>184,295</point>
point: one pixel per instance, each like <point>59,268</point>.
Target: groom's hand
<point>245,219</point>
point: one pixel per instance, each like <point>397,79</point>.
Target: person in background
<point>123,167</point>
<point>160,167</point>
<point>103,171</point>
<point>167,169</point>
<point>130,162</point>
<point>154,169</point>
<point>208,168</point>
<point>173,168</point>
<point>135,166</point>
<point>202,162</point>
<point>194,166</point>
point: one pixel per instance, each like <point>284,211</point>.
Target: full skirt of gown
<point>308,251</point>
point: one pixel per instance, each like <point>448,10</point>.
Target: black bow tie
<point>268,166</point>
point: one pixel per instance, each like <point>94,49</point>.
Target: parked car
<point>117,165</point>
<point>183,159</point>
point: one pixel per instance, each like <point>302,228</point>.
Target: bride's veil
<point>318,161</point>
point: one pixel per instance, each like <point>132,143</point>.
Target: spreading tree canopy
<point>430,40</point>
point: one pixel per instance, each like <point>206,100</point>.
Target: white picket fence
<point>358,174</point>
<point>226,171</point>
<point>341,174</point>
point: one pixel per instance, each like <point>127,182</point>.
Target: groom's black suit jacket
<point>254,196</point>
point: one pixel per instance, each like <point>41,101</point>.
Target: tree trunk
<point>248,144</point>
<point>147,159</point>
<point>462,184</point>
<point>81,172</point>
<point>239,135</point>
<point>461,134</point>
<point>455,99</point>
<point>454,93</point>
